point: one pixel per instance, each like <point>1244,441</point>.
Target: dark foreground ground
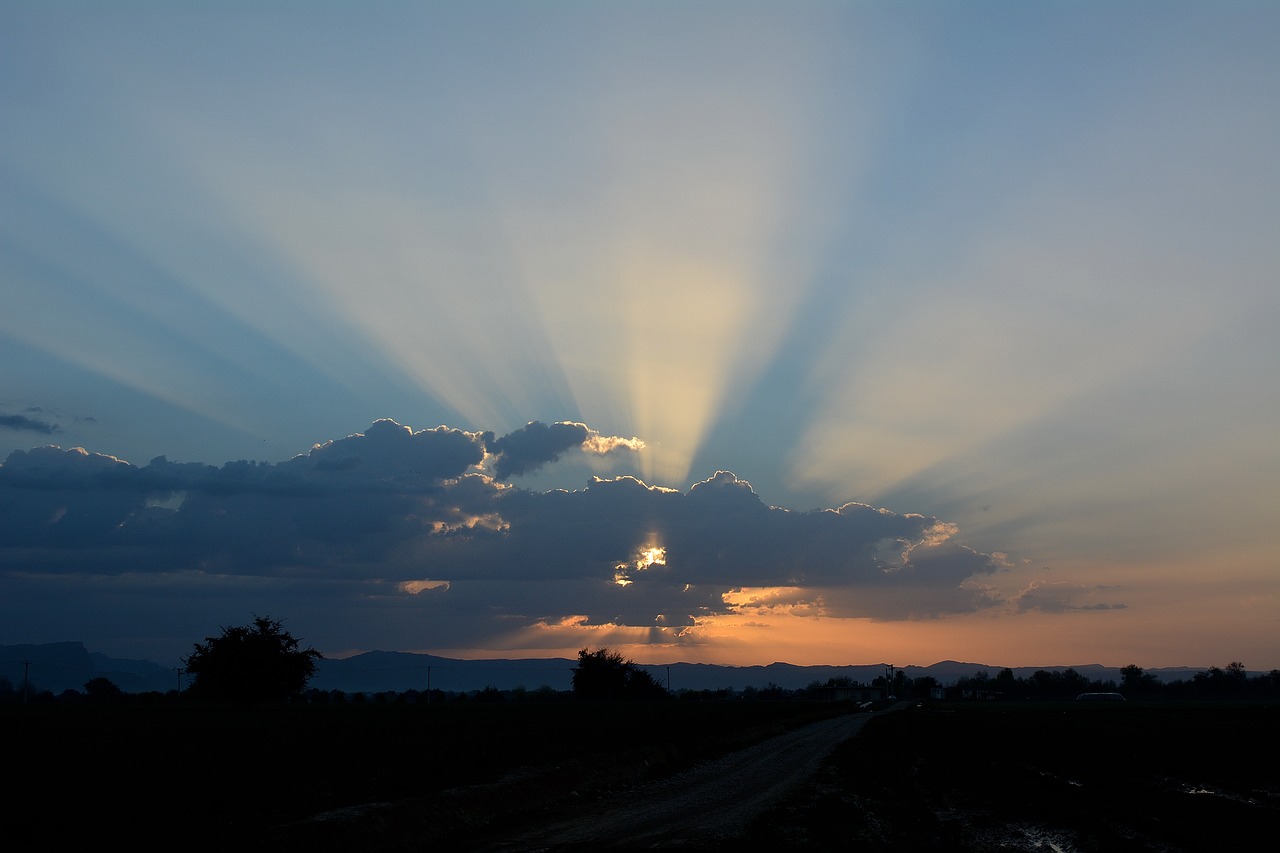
<point>1043,777</point>
<point>381,776</point>
<point>945,777</point>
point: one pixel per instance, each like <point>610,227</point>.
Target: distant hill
<point>68,666</point>
<point>57,667</point>
<point>379,672</point>
<point>949,671</point>
<point>374,672</point>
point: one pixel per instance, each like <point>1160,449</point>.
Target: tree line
<point>262,662</point>
<point>1135,683</point>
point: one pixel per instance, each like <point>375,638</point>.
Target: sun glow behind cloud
<point>612,254</point>
<point>645,558</point>
<point>649,260</point>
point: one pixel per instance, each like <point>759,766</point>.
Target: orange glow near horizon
<point>773,627</point>
<point>796,625</point>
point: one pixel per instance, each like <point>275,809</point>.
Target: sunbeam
<point>726,328</point>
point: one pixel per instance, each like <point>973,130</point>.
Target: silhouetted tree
<point>1005,683</point>
<point>1221,683</point>
<point>642,685</point>
<point>257,662</point>
<point>102,689</point>
<point>603,674</point>
<point>1137,683</point>
<point>922,687</point>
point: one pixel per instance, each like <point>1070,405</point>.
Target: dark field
<point>946,777</point>
<point>192,777</point>
<point>1065,777</point>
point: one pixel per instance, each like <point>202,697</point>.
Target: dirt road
<point>702,808</point>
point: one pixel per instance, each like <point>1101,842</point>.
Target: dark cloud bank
<point>23,423</point>
<point>400,539</point>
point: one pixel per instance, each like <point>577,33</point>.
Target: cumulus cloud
<point>388,450</point>
<point>536,444</point>
<point>392,527</point>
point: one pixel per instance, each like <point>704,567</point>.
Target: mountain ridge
<point>58,667</point>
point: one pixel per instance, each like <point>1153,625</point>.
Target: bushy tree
<point>923,687</point>
<point>251,663</point>
<point>102,689</point>
<point>603,674</point>
<point>1137,683</point>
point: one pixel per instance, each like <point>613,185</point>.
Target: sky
<point>726,332</point>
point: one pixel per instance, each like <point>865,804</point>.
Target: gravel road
<point>701,808</point>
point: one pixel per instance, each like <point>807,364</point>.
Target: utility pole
<point>668,679</point>
<point>26,682</point>
<point>428,684</point>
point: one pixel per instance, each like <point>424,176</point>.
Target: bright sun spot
<point>653,555</point>
<point>650,555</point>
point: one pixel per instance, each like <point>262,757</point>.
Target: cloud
<point>22,422</point>
<point>42,466</point>
<point>393,527</point>
<point>536,444</point>
<point>387,449</point>
<point>63,499</point>
<point>1060,597</point>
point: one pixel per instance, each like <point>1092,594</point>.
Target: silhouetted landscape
<point>988,762</point>
<point>58,667</point>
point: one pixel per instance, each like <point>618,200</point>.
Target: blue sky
<point>996,278</point>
